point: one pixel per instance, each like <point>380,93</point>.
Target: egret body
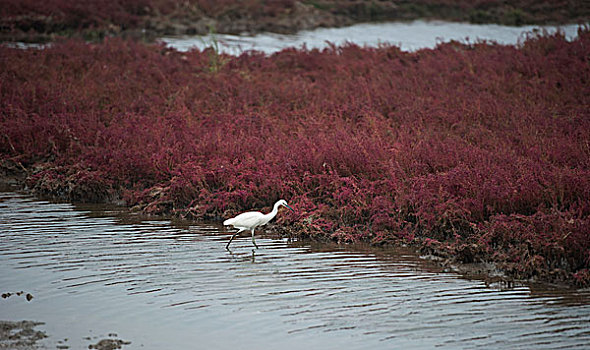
<point>252,219</point>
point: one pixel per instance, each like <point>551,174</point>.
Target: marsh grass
<point>475,152</point>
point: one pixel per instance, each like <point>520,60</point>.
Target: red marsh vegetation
<point>476,152</point>
<point>33,20</point>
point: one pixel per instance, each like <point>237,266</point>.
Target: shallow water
<point>96,272</point>
<point>409,36</point>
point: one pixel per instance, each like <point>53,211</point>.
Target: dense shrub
<point>478,151</point>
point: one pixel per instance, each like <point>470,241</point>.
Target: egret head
<point>284,204</point>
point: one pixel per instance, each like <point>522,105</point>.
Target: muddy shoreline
<point>285,18</point>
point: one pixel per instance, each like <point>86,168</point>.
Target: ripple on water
<point>159,284</point>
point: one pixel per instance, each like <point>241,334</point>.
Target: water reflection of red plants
<point>476,152</point>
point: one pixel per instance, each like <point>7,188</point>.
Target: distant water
<point>409,36</point>
<point>98,273</point>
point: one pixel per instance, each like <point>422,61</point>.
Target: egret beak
<point>287,205</point>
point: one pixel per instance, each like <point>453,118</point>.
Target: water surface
<point>409,36</point>
<point>96,272</point>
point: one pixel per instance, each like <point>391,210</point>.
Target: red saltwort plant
<point>65,17</point>
<point>60,15</point>
<point>479,151</point>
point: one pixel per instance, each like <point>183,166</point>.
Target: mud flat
<point>20,335</point>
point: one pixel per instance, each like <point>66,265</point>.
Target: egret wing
<point>248,219</point>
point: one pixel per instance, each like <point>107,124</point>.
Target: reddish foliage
<point>483,147</point>
<point>60,15</point>
<point>57,15</point>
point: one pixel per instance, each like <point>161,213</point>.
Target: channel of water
<point>98,272</point>
<point>409,36</point>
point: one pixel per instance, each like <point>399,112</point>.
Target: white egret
<point>252,219</point>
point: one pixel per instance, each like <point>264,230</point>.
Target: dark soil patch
<point>20,335</point>
<point>109,344</point>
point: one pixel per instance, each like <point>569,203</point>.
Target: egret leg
<point>253,241</point>
<point>231,239</point>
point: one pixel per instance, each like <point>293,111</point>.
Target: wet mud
<point>109,343</point>
<point>20,335</point>
<point>24,335</point>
